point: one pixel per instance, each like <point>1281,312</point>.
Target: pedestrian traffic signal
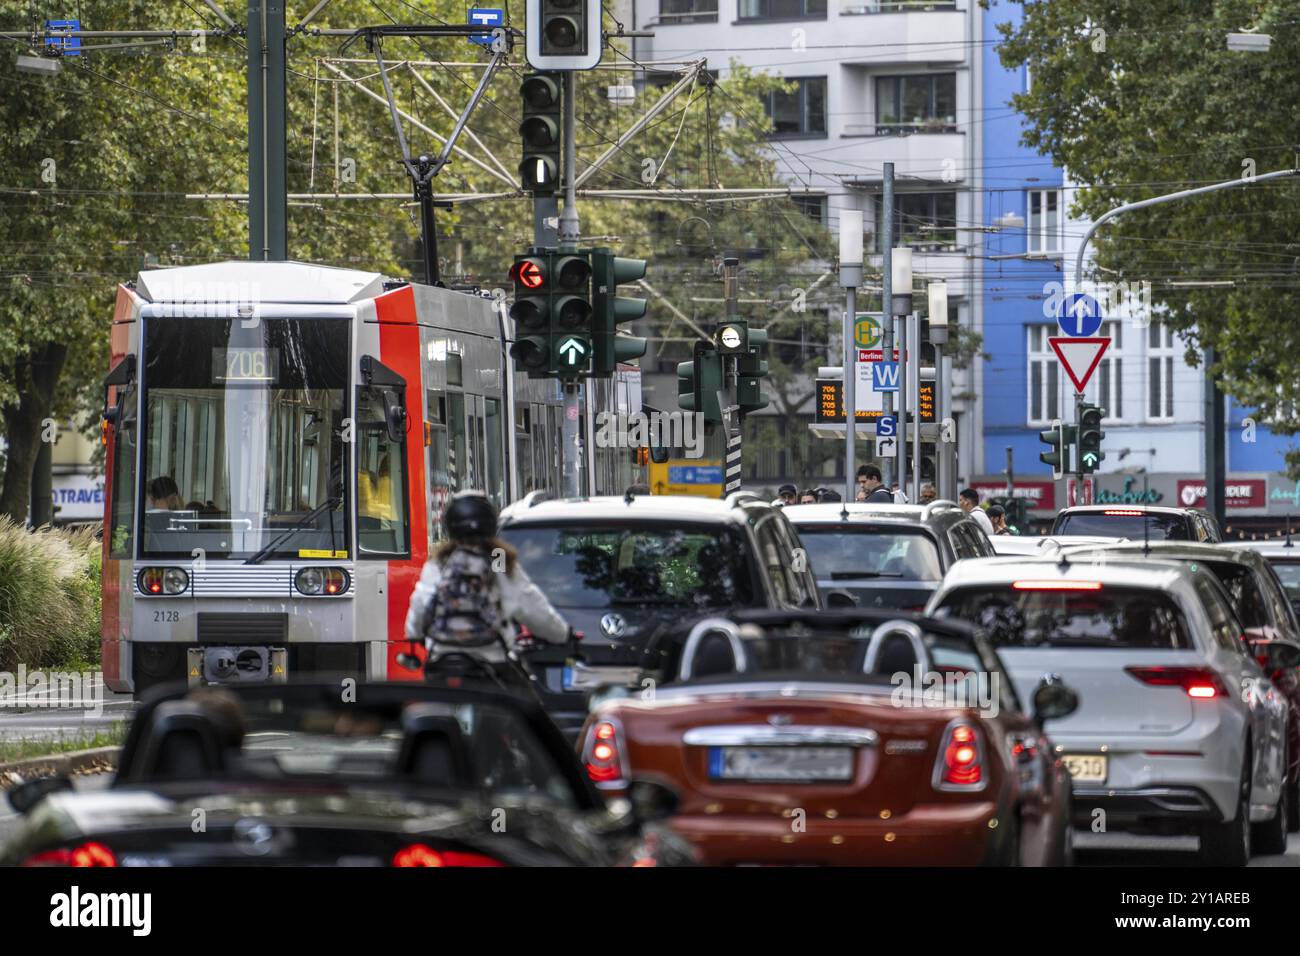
<point>563,34</point>
<point>551,313</point>
<point>1090,436</point>
<point>539,171</point>
<point>1060,437</point>
<point>699,381</point>
<point>609,310</point>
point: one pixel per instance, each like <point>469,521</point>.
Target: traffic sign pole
<point>569,440</point>
<point>850,278</point>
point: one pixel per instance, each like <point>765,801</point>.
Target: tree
<point>1139,99</point>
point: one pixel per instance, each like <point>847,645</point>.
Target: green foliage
<point>1139,99</point>
<point>49,596</point>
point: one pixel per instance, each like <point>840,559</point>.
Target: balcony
<point>908,33</point>
<point>869,7</point>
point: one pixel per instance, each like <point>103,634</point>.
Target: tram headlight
<point>164,581</point>
<point>316,582</point>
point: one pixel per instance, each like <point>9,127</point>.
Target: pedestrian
<point>825,494</point>
<point>900,496</point>
<point>928,494</point>
<point>998,518</point>
<point>786,495</point>
<point>872,482</point>
<point>969,502</point>
<point>809,497</point>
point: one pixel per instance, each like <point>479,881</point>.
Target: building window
<point>781,9</point>
<point>814,207</point>
<point>1044,376</point>
<point>924,103</point>
<point>926,221</point>
<point>853,8</point>
<point>688,11</point>
<point>1109,381</point>
<point>1160,372</point>
<point>801,112</point>
<point>1045,221</point>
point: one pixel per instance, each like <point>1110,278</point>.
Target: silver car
<point>1177,730</point>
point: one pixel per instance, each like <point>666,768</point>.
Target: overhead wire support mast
<point>423,169</point>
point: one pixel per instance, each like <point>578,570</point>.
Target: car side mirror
<point>1054,699</point>
<point>27,795</point>
<point>651,800</point>
<point>395,415</point>
<point>839,598</point>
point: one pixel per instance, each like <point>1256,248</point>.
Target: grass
<point>23,749</point>
<point>49,597</point>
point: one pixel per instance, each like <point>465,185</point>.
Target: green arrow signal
<point>572,350</point>
<point>1090,459</point>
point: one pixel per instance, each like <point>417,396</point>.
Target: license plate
<point>1086,768</point>
<point>566,678</point>
<point>781,764</point>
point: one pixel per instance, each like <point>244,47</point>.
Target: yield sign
<point>1080,357</point>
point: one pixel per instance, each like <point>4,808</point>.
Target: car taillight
<point>420,854</point>
<point>315,581</point>
<point>961,759</point>
<point>163,581</point>
<point>602,756</point>
<point>1198,682</point>
<point>1128,512</point>
<point>88,854</point>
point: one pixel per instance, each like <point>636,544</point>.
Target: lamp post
<point>900,305</point>
<point>945,464</point>
<point>850,279</point>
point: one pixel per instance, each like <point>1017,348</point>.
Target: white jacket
<point>520,598</point>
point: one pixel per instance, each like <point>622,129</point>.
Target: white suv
<point>1177,729</point>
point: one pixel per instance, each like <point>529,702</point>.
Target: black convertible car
<point>342,774</point>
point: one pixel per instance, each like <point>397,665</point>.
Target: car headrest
<point>713,647</point>
<point>433,751</point>
<point>182,743</point>
<point>896,647</point>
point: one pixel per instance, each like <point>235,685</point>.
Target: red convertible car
<point>847,737</point>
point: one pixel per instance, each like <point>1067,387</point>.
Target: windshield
<point>844,655</point>
<point>1052,617</point>
<point>848,550</point>
<point>595,567</point>
<point>1289,573</point>
<point>455,747</point>
<point>243,436</point>
<point>1124,524</point>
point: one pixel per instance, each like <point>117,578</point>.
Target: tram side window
<point>440,482</point>
<point>121,535</point>
<point>457,449</point>
<point>495,451</point>
<point>382,522</point>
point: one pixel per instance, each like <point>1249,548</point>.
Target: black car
<point>1138,523</point>
<point>885,555</point>
<point>635,573</point>
<point>398,774</point>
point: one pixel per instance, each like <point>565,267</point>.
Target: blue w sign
<point>884,376</point>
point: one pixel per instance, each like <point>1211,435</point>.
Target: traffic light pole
<point>570,230</point>
<point>886,303</point>
<point>1078,456</point>
<point>730,375</point>
<point>570,443</point>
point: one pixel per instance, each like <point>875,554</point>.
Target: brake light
<point>1056,585</point>
<point>88,854</point>
<point>1199,682</point>
<point>1129,512</point>
<point>420,854</point>
<point>602,755</point>
<point>961,760</point>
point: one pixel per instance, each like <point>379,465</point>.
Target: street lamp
<point>900,286</point>
<point>40,65</point>
<point>938,292</point>
<point>1249,42</point>
<point>901,280</point>
<point>850,279</point>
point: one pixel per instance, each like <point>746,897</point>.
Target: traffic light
<point>563,34</point>
<point>1090,436</point>
<point>750,368</point>
<point>539,171</point>
<point>609,310</point>
<point>551,312</point>
<point>698,382</point>
<point>1060,437</point>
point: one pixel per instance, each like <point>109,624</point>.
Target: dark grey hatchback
<point>885,555</point>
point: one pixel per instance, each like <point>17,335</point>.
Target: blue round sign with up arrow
<point>1080,315</point>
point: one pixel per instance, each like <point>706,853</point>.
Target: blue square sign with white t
<point>485,18</point>
<point>886,426</point>
<point>884,376</point>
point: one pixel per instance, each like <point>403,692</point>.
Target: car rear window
<point>1028,616</point>
<point>847,551</point>
<point>596,567</point>
<point>1124,523</point>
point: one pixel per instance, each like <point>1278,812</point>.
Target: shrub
<point>49,596</point>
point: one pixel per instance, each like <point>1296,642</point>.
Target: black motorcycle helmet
<point>470,514</point>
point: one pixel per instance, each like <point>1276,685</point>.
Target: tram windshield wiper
<point>329,504</point>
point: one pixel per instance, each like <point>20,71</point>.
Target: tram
<point>280,440</point>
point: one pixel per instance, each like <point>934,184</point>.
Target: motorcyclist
<point>473,587</point>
